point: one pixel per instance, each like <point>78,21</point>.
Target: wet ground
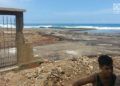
<point>74,44</point>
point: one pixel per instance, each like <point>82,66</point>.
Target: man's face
<point>107,70</point>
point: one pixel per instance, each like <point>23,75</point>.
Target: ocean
<point>65,26</point>
<point>98,28</point>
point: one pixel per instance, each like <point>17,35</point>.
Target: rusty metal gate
<point>8,55</point>
<point>11,29</point>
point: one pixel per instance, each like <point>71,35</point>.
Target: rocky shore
<point>70,43</point>
<point>63,57</point>
<point>55,73</point>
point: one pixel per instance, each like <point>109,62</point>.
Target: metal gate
<point>11,36</point>
<point>8,55</point>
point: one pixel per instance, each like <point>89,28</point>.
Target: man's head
<point>106,64</point>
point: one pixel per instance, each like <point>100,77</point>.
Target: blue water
<point>100,28</point>
<point>62,25</point>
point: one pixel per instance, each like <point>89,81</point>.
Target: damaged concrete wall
<point>24,50</point>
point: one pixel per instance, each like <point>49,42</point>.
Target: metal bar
<point>3,35</point>
<point>7,36</point>
<point>11,31</point>
<point>11,34</point>
<point>14,23</point>
<point>0,35</point>
<point>3,41</point>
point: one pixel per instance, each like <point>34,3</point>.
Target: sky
<point>67,11</point>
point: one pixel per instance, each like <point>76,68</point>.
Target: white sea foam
<point>54,26</point>
<point>31,26</point>
<point>108,28</point>
<point>46,26</point>
<point>38,26</point>
<point>94,27</point>
<point>26,26</point>
<point>78,26</point>
<point>7,26</point>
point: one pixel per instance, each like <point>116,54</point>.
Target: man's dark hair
<point>105,60</point>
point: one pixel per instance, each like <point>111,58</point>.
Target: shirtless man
<point>105,77</point>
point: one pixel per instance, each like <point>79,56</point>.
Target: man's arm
<point>84,81</point>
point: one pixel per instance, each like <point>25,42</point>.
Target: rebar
<point>3,41</point>
<point>7,42</point>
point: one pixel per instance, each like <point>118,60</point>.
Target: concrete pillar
<point>24,51</point>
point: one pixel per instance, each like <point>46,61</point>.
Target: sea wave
<point>64,27</point>
<point>7,26</point>
<point>77,27</point>
<point>93,27</point>
<point>101,28</point>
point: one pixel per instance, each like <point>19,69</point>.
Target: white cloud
<point>13,3</point>
<point>7,2</point>
<point>4,1</point>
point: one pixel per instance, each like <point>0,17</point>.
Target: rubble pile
<point>53,73</point>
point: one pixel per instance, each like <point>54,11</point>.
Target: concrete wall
<point>26,54</point>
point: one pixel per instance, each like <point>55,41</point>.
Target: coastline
<point>68,40</point>
<point>63,40</point>
<point>61,56</point>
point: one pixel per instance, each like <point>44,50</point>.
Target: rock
<point>58,73</point>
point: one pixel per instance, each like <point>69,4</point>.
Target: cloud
<point>6,2</point>
<point>13,3</point>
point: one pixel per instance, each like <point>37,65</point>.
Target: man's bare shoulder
<point>117,82</point>
<point>85,80</point>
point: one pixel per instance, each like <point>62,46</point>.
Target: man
<point>105,77</point>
